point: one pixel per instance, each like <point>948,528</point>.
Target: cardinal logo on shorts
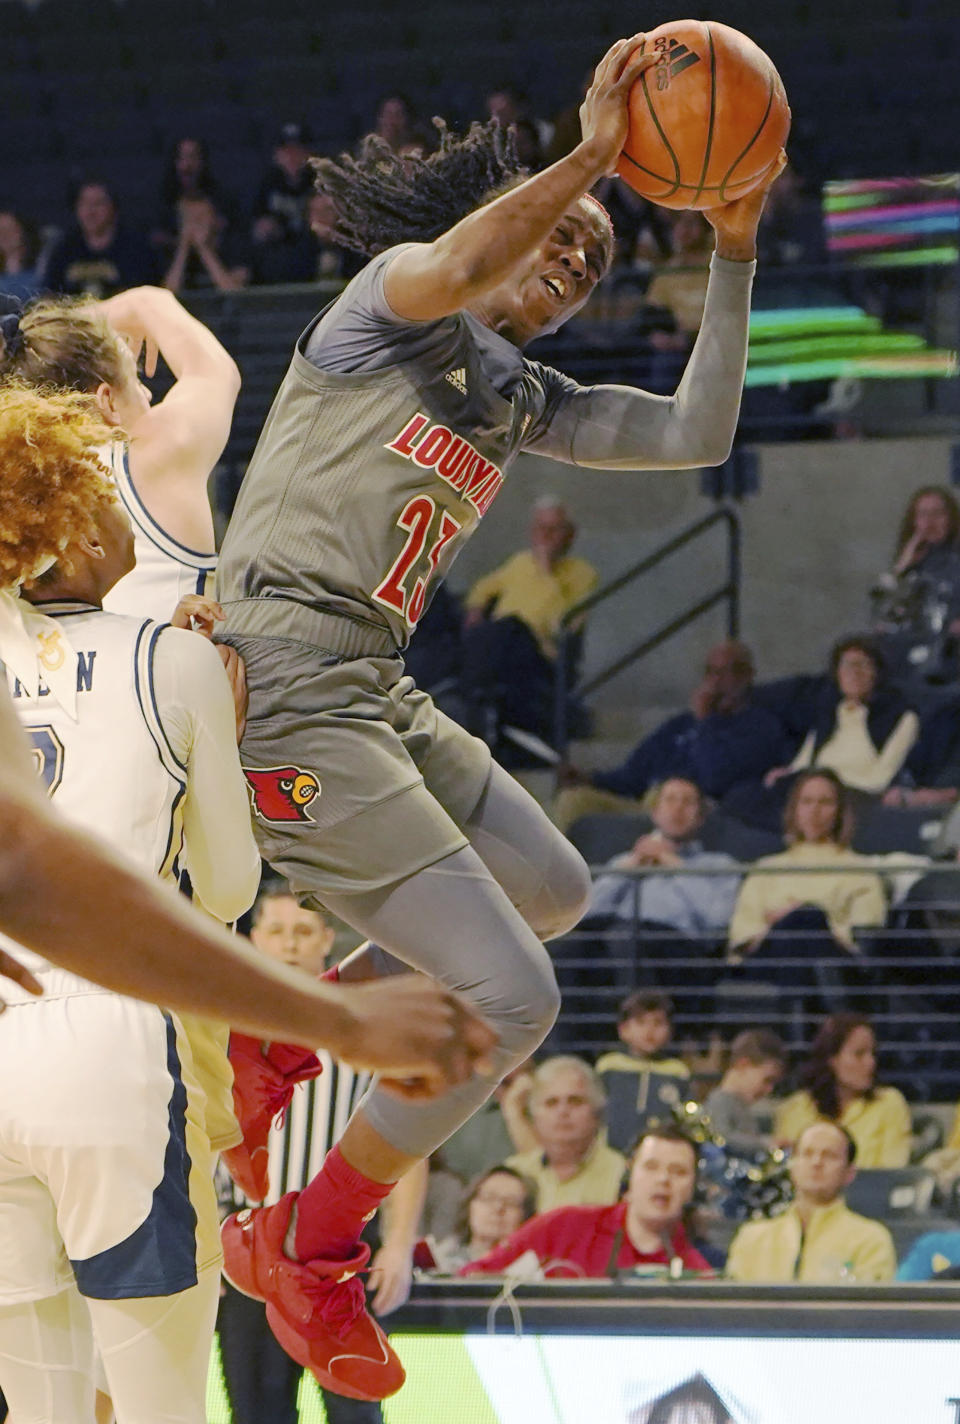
<point>282,793</point>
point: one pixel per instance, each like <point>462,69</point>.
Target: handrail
<point>728,591</point>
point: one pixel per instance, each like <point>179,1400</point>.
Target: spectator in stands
<point>818,824</point>
<point>21,272</point>
<point>645,1028</point>
<point>863,729</point>
<point>280,206</point>
<point>757,1062</point>
<point>495,1131</point>
<point>513,618</point>
<point>209,255</point>
<point>494,1206</point>
<point>646,1228</point>
<point>571,1163</point>
<point>688,904</point>
<point>916,604</point>
<point>98,255</point>
<point>396,122</point>
<point>818,1239</point>
<point>679,284</point>
<point>837,1083</point>
<point>187,174</point>
<point>724,739</point>
<point>509,104</point>
<point>791,227</point>
<point>312,254</point>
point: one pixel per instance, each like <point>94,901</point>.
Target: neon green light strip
<point>785,320</point>
<point>924,364</point>
<point>919,257</point>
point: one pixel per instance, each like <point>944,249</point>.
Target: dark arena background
<point>165,142</point>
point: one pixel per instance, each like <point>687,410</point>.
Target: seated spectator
<point>496,1130</point>
<point>310,255</point>
<point>645,1028</point>
<point>98,255</point>
<point>571,1163</point>
<point>209,254</point>
<point>280,206</point>
<point>757,1062</point>
<point>692,905</point>
<point>837,1083</point>
<point>818,1239</point>
<point>396,123</point>
<point>21,274</point>
<point>791,224</point>
<point>818,825</point>
<point>679,285</point>
<point>510,106</point>
<point>646,1228</point>
<point>725,738</point>
<point>916,604</point>
<point>863,730</point>
<point>187,176</point>
<point>513,618</point>
<point>494,1206</point>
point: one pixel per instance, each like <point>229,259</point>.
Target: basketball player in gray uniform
<point>404,405</point>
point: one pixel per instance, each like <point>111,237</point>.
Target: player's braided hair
<point>383,198</point>
<point>52,485</point>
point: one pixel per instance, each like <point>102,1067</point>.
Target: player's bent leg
<point>544,875</point>
<point>47,1359</point>
<point>156,1352</point>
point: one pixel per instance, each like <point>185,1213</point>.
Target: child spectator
<point>645,1027</point>
<point>209,254</point>
<point>838,1084</point>
<point>757,1061</point>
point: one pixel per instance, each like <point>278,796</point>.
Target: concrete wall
<point>814,538</point>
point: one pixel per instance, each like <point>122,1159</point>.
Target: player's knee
<point>564,895</point>
<point>536,1003</point>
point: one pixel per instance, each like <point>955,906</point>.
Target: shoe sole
<point>299,1350</point>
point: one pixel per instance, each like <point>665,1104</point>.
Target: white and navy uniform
<point>105,1163</point>
<point>166,570</point>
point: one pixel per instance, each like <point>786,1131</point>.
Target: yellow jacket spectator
<point>838,1086</point>
<point>818,825</point>
<point>540,584</point>
<point>818,1239</point>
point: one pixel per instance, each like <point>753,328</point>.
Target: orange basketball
<point>707,120</point>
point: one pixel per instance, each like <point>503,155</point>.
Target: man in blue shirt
<point>724,738</point>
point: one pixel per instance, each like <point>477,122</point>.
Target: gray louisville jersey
<point>365,484</point>
<point>388,440</point>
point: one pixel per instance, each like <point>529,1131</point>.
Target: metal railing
<point>902,974</point>
<point>566,689</point>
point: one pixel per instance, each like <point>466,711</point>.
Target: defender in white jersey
<point>105,1163</point>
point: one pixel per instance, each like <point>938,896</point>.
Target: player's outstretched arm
<point>623,428</point>
<point>178,441</point>
<point>431,280</point>
<point>71,900</point>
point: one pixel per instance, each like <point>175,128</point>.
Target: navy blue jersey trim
<point>154,531</point>
<point>160,1257</point>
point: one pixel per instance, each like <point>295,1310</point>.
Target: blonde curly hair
<point>53,485</point>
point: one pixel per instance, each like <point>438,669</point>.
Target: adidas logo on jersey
<point>458,379</point>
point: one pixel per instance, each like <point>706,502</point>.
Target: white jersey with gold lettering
<point>166,570</point>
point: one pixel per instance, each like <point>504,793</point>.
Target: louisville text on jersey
<point>464,469</point>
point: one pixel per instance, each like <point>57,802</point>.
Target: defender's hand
<point>11,968</point>
<point>604,113</point>
<point>421,1038</point>
<point>736,223</point>
<point>197,613</point>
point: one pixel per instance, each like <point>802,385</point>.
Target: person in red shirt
<point>645,1228</point>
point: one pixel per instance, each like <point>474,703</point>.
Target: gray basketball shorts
<point>356,779</point>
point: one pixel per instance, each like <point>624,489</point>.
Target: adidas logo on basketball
<point>673,62</point>
<point>458,379</point>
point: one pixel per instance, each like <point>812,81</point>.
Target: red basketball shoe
<point>261,1093</point>
<point>317,1310</point>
